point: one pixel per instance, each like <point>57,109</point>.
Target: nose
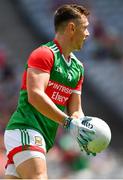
<point>87,33</point>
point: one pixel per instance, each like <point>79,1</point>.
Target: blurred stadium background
<point>24,25</point>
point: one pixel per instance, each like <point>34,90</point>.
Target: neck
<point>65,45</point>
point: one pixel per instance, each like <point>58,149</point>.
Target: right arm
<point>37,81</point>
<point>40,64</point>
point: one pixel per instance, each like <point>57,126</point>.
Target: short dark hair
<point>68,12</point>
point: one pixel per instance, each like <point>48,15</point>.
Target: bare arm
<point>37,81</point>
<point>74,106</point>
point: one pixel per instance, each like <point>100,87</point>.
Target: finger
<point>81,141</point>
<point>89,133</point>
<point>92,131</point>
<point>94,154</point>
<point>86,136</point>
<point>87,118</point>
<point>84,139</point>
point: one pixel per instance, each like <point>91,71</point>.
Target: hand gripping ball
<point>102,136</point>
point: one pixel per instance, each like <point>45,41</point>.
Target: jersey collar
<point>58,45</point>
<point>60,49</point>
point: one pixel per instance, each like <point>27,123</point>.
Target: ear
<point>71,27</point>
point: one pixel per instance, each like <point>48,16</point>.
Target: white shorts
<point>22,144</point>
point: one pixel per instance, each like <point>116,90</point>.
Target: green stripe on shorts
<point>25,139</point>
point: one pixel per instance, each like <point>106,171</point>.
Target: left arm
<point>74,107</point>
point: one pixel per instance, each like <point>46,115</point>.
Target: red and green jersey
<point>66,77</point>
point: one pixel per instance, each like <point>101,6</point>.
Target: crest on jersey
<point>38,140</point>
<point>69,76</point>
<point>58,69</point>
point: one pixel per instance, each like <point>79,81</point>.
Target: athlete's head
<point>72,20</point>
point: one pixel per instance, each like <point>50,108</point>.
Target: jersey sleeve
<point>78,88</point>
<point>42,58</point>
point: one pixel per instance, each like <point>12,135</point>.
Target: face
<point>80,33</point>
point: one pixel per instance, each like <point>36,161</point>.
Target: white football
<point>102,136</point>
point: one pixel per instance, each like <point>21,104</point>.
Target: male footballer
<point>51,82</point>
